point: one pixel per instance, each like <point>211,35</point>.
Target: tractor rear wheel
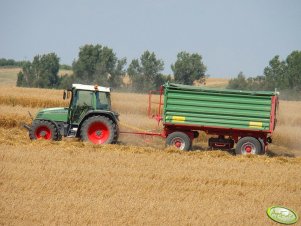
<point>116,134</point>
<point>248,145</point>
<point>179,140</point>
<point>99,130</point>
<point>42,129</point>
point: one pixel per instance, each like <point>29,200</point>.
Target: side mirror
<point>64,94</point>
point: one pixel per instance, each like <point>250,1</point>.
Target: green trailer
<point>244,118</point>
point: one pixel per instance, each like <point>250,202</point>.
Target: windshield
<point>84,98</point>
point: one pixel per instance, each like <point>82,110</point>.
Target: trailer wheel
<point>248,145</point>
<point>42,129</point>
<point>99,130</point>
<point>179,140</point>
<point>263,147</point>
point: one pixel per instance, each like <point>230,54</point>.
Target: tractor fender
<point>109,114</point>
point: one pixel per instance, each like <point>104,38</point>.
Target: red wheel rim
<point>43,132</point>
<point>178,143</point>
<point>248,148</point>
<point>98,133</point>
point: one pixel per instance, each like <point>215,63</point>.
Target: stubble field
<point>138,181</point>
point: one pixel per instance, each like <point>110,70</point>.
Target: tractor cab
<point>86,98</point>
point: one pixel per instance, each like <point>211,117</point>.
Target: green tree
<point>118,72</point>
<point>238,83</point>
<point>275,74</point>
<point>293,70</point>
<point>98,64</point>
<point>84,68</point>
<point>26,76</point>
<point>7,62</point>
<point>255,83</point>
<point>11,63</point>
<point>66,81</point>
<point>41,72</point>
<point>145,73</point>
<point>284,75</point>
<point>188,68</point>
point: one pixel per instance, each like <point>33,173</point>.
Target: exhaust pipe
<point>27,127</point>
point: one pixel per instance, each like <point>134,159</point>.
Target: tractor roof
<point>92,88</point>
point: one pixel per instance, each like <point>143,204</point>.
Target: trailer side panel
<point>232,109</point>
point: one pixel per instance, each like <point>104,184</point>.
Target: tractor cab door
<point>103,101</point>
<point>83,101</point>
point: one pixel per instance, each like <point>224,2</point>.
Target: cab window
<point>102,101</point>
<point>84,98</point>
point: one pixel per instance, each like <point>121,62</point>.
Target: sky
<point>230,35</point>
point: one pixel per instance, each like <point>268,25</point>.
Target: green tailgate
<point>217,107</point>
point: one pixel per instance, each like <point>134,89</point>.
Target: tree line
<point>283,75</point>
<point>97,64</point>
<point>11,63</point>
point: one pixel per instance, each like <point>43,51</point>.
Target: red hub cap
<point>248,149</point>
<point>43,132</point>
<point>178,143</point>
<point>98,133</point>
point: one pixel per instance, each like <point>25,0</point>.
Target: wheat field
<point>138,181</point>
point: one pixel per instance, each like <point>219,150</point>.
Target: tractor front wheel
<point>99,130</point>
<point>42,129</point>
<point>179,140</point>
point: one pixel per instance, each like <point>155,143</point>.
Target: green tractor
<point>88,117</point>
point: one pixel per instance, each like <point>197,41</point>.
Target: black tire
<point>116,135</point>
<point>248,145</point>
<point>262,146</point>
<point>42,129</point>
<point>99,130</point>
<point>179,140</point>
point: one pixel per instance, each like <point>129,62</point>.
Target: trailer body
<point>229,114</point>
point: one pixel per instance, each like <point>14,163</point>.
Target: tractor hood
<point>54,114</point>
